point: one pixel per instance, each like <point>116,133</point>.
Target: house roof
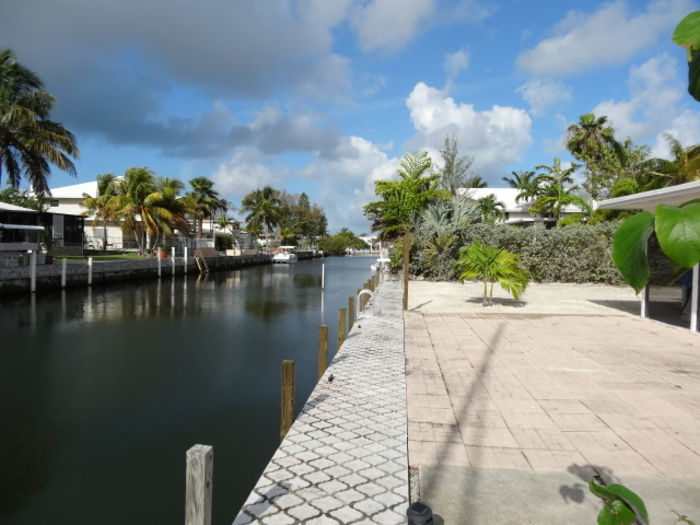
<point>508,197</point>
<point>75,191</point>
<point>649,200</point>
<point>4,206</point>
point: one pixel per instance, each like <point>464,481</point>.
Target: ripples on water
<point>102,391</point>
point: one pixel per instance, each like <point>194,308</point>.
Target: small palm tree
<point>491,210</point>
<point>492,264</point>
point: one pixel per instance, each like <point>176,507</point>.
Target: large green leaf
<point>694,74</point>
<point>630,498</point>
<point>678,231</point>
<point>630,249</point>
<point>687,32</point>
<point>616,513</point>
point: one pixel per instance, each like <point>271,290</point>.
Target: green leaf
<point>630,249</point>
<point>616,513</point>
<point>694,74</point>
<point>687,32</point>
<point>678,231</point>
<point>630,498</point>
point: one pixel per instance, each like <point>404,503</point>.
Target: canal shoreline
<point>16,279</point>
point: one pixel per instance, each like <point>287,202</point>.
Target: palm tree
<point>263,209</point>
<point>401,201</point>
<point>29,141</point>
<point>99,205</point>
<point>491,210</point>
<point>593,142</point>
<point>167,211</point>
<point>204,201</point>
<point>527,182</point>
<point>492,264</point>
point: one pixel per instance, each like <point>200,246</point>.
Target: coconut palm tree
<point>492,265</point>
<point>527,182</point>
<point>99,205</point>
<point>263,207</point>
<point>29,142</point>
<point>203,201</point>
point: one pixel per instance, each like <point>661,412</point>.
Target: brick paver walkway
<point>546,392</point>
<point>345,458</point>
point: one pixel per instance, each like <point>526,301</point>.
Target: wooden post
<point>64,265</point>
<point>172,250</point>
<point>341,328</point>
<point>644,310</point>
<point>287,399</point>
<point>322,350</point>
<point>89,271</point>
<point>159,263</point>
<point>32,271</point>
<point>351,312</point>
<point>199,485</point>
<point>694,299</point>
<point>359,300</point>
<point>185,265</point>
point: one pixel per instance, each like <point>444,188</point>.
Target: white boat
<point>284,255</point>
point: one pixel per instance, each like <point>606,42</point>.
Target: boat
<point>284,255</point>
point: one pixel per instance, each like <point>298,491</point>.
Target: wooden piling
<point>287,397</point>
<point>341,327</point>
<point>351,312</point>
<point>322,351</point>
<point>199,485</point>
<point>64,266</point>
<point>173,258</point>
<point>89,277</point>
<point>359,300</point>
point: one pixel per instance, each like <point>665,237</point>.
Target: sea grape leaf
<point>630,498</point>
<point>678,232</point>
<point>630,249</point>
<point>694,74</point>
<point>687,32</point>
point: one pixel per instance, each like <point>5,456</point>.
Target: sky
<point>325,96</point>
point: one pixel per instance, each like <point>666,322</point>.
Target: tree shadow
<point>499,301</point>
<point>418,307</point>
<point>576,492</point>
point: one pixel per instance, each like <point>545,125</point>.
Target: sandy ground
<point>539,298</point>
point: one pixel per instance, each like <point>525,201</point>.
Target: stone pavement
<point>345,458</point>
<point>509,415</point>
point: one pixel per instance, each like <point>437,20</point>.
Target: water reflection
<point>102,390</point>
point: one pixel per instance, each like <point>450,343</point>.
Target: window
<point>53,203</point>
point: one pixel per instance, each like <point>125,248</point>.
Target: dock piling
<point>32,269</point>
<point>322,351</point>
<point>341,328</point>
<point>172,251</point>
<point>199,485</point>
<point>185,264</point>
<point>64,267</point>
<point>89,277</point>
<point>287,397</point>
<point>351,312</point>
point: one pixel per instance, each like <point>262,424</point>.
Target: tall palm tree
<point>263,207</point>
<point>556,173</point>
<point>99,205</point>
<point>593,142</point>
<point>527,182</point>
<point>204,201</point>
<point>492,264</point>
<point>29,142</point>
<point>131,205</point>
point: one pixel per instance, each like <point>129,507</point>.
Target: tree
<point>263,209</point>
<point>492,264</point>
<point>527,182</point>
<point>340,242</point>
<point>99,205</point>
<point>593,142</point>
<point>687,34</point>
<point>401,201</point>
<point>29,142</point>
<point>20,198</point>
<point>456,170</point>
<point>491,210</point>
<point>203,201</point>
<point>554,193</point>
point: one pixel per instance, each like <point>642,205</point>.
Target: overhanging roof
<point>649,200</point>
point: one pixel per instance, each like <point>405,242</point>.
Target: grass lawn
<point>110,257</point>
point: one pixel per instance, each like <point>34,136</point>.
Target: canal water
<point>102,391</point>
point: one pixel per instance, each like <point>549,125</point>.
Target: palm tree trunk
<point>491,295</point>
<point>484,300</point>
<point>104,242</point>
<point>406,240</point>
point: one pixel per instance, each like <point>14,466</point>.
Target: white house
<point>516,211</point>
<point>67,199</point>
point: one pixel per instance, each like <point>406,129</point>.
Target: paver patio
<point>510,414</point>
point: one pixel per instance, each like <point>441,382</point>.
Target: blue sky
<point>324,96</point>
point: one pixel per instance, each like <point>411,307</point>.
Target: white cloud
<point>655,90</point>
<point>454,64</point>
<point>541,94</point>
<point>390,24</point>
<point>495,137</point>
<point>685,127</point>
<point>243,174</point>
<point>608,36</point>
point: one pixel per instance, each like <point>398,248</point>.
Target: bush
<point>576,253</point>
<point>223,241</point>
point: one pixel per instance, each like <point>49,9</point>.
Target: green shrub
<point>576,253</point>
<point>223,241</point>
